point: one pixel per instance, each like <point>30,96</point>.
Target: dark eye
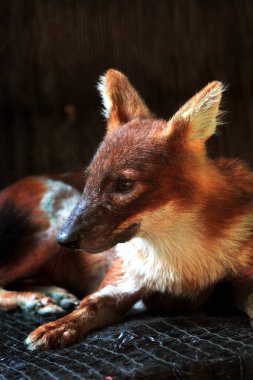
<point>124,185</point>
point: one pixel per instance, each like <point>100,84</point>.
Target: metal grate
<point>196,346</point>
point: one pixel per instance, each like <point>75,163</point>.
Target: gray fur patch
<point>58,202</point>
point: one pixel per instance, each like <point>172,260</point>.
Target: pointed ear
<point>201,113</point>
<point>121,101</point>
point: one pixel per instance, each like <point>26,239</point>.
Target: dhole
<point>157,221</point>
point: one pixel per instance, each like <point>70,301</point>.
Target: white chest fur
<point>176,258</point>
<point>154,265</point>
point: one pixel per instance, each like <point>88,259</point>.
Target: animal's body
<point>157,220</point>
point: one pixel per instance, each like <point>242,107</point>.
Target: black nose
<point>68,241</point>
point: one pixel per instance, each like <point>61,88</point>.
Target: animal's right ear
<point>121,101</point>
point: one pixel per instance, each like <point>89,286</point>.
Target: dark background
<point>52,52</point>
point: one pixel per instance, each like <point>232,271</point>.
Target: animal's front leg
<point>102,308</point>
<point>31,302</point>
<point>41,300</point>
<point>62,297</point>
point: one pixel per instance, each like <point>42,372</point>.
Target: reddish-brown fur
<point>182,224</point>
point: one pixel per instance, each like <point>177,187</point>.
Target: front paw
<point>62,297</point>
<point>58,334</point>
<point>38,304</point>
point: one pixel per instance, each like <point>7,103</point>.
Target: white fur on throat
<point>174,254</point>
<point>106,101</point>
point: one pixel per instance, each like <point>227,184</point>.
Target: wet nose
<point>68,240</point>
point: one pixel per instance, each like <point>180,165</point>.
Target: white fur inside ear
<point>206,115</point>
<point>211,99</point>
<point>203,111</point>
<point>106,101</point>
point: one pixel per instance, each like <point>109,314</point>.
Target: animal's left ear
<point>200,115</point>
<point>121,101</point>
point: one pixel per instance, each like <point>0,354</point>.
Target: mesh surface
<point>195,346</point>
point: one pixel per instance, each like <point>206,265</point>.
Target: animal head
<point>143,165</point>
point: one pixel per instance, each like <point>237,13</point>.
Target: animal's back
<point>239,176</point>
